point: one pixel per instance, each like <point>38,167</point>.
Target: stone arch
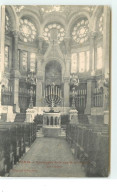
<point>57,19</point>
<point>76,17</point>
<point>33,18</point>
<point>95,16</point>
<point>13,17</point>
<point>61,62</point>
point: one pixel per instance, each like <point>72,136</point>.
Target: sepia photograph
<point>55,67</point>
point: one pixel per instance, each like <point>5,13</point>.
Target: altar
<point>51,124</point>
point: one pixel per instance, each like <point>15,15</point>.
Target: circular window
<point>80,31</point>
<point>27,30</point>
<point>54,32</point>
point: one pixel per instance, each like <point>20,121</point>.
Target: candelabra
<point>74,82</point>
<point>52,95</point>
<point>31,82</point>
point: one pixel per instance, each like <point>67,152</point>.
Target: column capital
<point>15,33</point>
<point>92,34</point>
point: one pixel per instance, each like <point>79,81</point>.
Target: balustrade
<point>97,98</point>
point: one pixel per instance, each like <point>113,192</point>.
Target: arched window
<point>74,62</point>
<point>100,23</point>
<point>54,31</point>
<point>27,30</point>
<point>32,62</point>
<point>7,23</point>
<point>99,57</point>
<point>80,31</point>
<point>6,59</point>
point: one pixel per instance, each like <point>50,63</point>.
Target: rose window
<point>80,31</point>
<point>28,31</point>
<point>54,32</point>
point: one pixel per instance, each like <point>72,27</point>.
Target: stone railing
<point>90,144</point>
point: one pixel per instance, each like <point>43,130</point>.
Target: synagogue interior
<point>54,90</point>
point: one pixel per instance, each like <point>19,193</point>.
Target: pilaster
<point>66,91</point>
<point>92,52</point>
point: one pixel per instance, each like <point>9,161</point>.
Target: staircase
<point>20,117</point>
<point>39,133</point>
<point>63,132</point>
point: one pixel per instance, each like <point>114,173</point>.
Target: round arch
<point>57,19</point>
<point>32,17</point>
<point>13,17</point>
<point>74,18</point>
<point>95,15</point>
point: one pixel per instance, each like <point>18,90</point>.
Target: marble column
<point>2,38</point>
<point>92,53</point>
<point>106,62</point>
<point>66,91</point>
<point>106,41</point>
<point>39,85</point>
<point>15,71</point>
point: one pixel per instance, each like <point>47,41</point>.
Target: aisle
<point>48,157</point>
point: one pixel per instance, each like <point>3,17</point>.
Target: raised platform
<point>51,131</point>
<point>51,124</point>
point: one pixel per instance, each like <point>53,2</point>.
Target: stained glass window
<point>54,32</point>
<point>99,57</point>
<point>100,24</point>
<point>18,58</point>
<point>6,60</point>
<point>80,31</point>
<point>32,62</point>
<point>24,60</point>
<point>7,23</point>
<point>87,60</point>
<point>81,61</point>
<point>74,63</point>
<point>28,31</point>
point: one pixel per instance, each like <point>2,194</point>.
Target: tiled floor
<point>48,157</point>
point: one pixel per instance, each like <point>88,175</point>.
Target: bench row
<point>14,138</point>
<point>91,147</point>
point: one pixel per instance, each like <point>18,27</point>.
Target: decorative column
<point>67,41</point>
<point>106,41</point>
<point>2,37</point>
<point>67,71</point>
<point>66,91</point>
<point>15,71</point>
<point>92,53</point>
<point>39,97</point>
<point>106,62</point>
<point>39,86</point>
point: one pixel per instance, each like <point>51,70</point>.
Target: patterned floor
<point>48,157</point>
